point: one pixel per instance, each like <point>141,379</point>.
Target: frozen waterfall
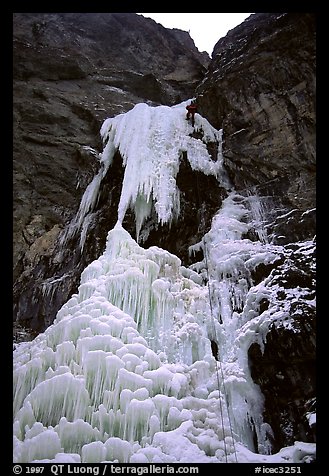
<point>127,372</point>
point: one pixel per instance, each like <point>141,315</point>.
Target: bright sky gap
<point>205,28</point>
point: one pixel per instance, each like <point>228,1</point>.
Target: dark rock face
<point>286,369</point>
<point>72,71</point>
<point>260,88</point>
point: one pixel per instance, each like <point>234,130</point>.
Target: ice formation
<point>151,141</point>
<point>127,372</point>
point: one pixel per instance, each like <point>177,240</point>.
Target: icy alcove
<point>126,372</point>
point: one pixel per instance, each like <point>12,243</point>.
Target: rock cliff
<point>260,88</point>
<point>71,71</point>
